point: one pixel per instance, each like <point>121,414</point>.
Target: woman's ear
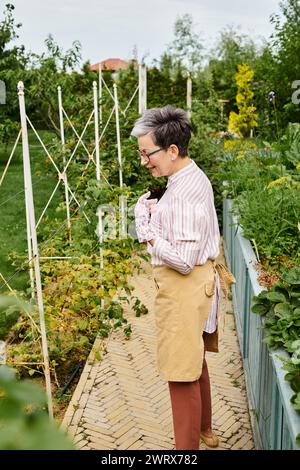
<point>174,151</point>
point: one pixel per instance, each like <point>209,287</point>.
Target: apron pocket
<point>210,288</point>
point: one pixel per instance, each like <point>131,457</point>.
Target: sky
<point>111,28</point>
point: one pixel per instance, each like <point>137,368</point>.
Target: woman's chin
<point>154,171</point>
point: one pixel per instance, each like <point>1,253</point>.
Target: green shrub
<point>24,422</point>
<point>280,308</point>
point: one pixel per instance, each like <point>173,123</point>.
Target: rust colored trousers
<point>191,409</point>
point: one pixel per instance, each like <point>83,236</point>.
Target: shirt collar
<point>180,173</point>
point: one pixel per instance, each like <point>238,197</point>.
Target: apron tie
<point>225,276</point>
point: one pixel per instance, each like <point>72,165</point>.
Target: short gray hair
<point>167,126</point>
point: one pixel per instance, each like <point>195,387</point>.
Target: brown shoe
<point>209,438</point>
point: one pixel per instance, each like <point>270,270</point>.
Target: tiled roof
<point>111,64</point>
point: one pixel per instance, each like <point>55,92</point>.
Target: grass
<point>13,235</point>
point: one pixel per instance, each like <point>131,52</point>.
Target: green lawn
<point>12,205</point>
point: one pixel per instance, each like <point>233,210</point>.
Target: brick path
<point>121,403</point>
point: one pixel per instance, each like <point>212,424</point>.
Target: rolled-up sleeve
<point>187,225</point>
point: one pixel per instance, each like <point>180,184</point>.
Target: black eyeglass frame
<point>144,154</point>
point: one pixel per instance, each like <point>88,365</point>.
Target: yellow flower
<point>239,145</point>
<point>251,145</point>
<point>231,144</point>
<point>279,181</point>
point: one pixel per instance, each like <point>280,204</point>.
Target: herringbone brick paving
<point>121,403</point>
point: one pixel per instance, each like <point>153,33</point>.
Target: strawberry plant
<point>280,308</point>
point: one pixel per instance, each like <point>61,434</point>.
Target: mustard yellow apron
<point>182,306</point>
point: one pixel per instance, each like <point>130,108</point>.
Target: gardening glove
<point>142,218</point>
<point>144,206</point>
<point>144,231</point>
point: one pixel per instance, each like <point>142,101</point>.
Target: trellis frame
<point>31,224</point>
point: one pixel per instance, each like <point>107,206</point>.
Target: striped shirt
<point>186,225</point>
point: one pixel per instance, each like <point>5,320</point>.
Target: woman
<point>183,238</point>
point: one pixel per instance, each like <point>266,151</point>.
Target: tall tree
<point>186,48</point>
<point>286,52</point>
<point>9,57</point>
<point>246,119</point>
<point>12,61</point>
<point>232,48</point>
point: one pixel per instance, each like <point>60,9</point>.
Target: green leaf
<point>84,340</point>
<point>295,400</point>
<point>295,295</point>
<point>29,392</point>
<point>260,309</point>
<point>98,355</point>
<point>83,325</point>
<point>9,301</point>
<point>293,276</point>
<point>262,295</point>
<point>283,309</point>
<point>295,344</point>
<point>276,297</point>
<point>6,374</point>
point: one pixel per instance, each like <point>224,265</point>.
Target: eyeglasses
<point>145,156</point>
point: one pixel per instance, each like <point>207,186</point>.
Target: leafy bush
<point>270,215</point>
<point>280,305</point>
<point>10,309</point>
<point>289,146</point>
<point>24,423</point>
<point>244,163</point>
<point>74,315</point>
<point>280,308</point>
<point>264,183</point>
<point>293,374</point>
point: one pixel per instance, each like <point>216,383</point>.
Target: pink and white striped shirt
<point>186,223</point>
